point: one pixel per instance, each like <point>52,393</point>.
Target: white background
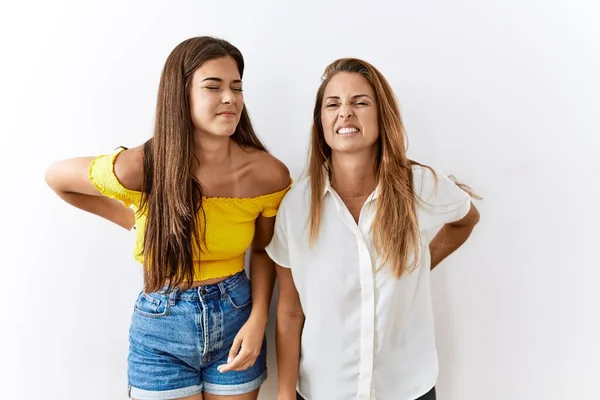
<point>501,93</point>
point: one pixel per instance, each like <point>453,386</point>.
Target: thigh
<point>234,307</point>
<point>194,397</point>
<point>198,396</point>
<point>164,342</point>
<point>235,383</point>
<point>246,396</point>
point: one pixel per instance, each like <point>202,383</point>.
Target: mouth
<point>348,130</point>
<point>226,114</point>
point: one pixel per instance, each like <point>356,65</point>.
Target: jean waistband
<point>205,291</point>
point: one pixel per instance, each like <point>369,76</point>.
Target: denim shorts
<point>177,341</point>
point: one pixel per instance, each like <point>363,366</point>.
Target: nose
<point>345,112</point>
<point>228,97</point>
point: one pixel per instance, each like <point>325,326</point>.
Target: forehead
<point>224,67</point>
<point>348,84</point>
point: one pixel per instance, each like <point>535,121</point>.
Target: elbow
<point>289,324</point>
<point>260,256</point>
<point>52,176</point>
<point>469,221</point>
<point>258,251</point>
<point>290,314</point>
<point>295,315</point>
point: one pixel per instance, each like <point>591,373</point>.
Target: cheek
<point>372,123</point>
<point>201,108</point>
<point>326,127</point>
<point>240,106</point>
<point>199,114</point>
<point>327,123</point>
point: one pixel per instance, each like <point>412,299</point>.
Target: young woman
<point>354,244</point>
<point>200,192</point>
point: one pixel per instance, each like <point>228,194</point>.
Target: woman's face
<point>216,98</point>
<point>349,114</point>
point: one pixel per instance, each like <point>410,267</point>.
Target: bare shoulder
<point>269,173</point>
<point>129,168</point>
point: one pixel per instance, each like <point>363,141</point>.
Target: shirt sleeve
<point>103,177</point>
<point>440,198</point>
<point>278,248</point>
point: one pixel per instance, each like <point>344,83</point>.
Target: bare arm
<point>290,320</point>
<point>262,270</point>
<point>452,236</point>
<point>247,344</point>
<point>70,181</point>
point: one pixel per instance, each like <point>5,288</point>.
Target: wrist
<point>259,316</point>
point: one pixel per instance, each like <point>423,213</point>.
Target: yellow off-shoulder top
<point>229,220</point>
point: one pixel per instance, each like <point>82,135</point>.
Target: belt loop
<point>222,289</point>
<point>173,296</point>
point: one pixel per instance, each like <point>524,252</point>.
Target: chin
<point>345,150</point>
<point>350,149</point>
<point>223,132</point>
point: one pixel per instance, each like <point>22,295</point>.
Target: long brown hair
<point>172,196</point>
<point>396,233</point>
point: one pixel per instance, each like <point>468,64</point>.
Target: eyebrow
<point>214,78</point>
<point>354,97</point>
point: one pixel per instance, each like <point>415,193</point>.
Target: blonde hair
<point>395,229</point>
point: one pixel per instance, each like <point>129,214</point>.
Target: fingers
<point>244,360</point>
<point>235,349</point>
<point>238,364</point>
<point>233,357</point>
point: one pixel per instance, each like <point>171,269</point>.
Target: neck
<point>354,175</point>
<point>211,150</point>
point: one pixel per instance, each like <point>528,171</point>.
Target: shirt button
<point>203,292</point>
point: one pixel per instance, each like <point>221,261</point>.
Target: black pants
<point>427,396</point>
